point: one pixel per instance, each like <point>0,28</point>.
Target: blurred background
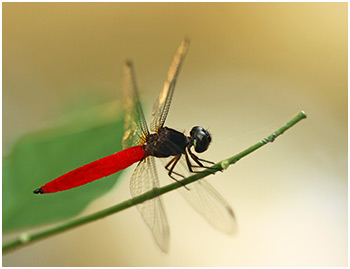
<point>250,68</point>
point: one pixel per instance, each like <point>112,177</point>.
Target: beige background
<point>250,68</point>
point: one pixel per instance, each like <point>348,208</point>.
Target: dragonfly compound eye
<point>201,139</point>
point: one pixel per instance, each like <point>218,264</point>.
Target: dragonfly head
<point>201,139</point>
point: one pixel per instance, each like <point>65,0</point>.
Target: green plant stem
<point>26,238</point>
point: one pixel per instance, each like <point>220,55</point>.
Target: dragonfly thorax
<point>166,142</point>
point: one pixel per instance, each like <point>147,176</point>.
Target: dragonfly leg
<point>190,166</point>
<point>171,171</point>
<point>169,163</point>
<point>197,160</point>
<point>188,162</point>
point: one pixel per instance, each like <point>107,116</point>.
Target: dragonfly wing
<point>162,104</point>
<point>207,201</point>
<point>135,126</point>
<point>211,205</point>
<point>144,179</point>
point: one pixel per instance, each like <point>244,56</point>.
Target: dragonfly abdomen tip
<point>38,191</point>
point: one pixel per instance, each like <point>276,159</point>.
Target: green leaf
<point>40,157</point>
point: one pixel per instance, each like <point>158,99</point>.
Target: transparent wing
<point>206,200</point>
<point>144,179</point>
<point>162,104</point>
<point>135,126</point>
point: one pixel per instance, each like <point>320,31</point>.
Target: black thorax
<point>166,142</point>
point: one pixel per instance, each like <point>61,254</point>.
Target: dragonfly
<point>142,146</point>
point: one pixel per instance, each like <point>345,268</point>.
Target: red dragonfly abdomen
<point>95,170</point>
